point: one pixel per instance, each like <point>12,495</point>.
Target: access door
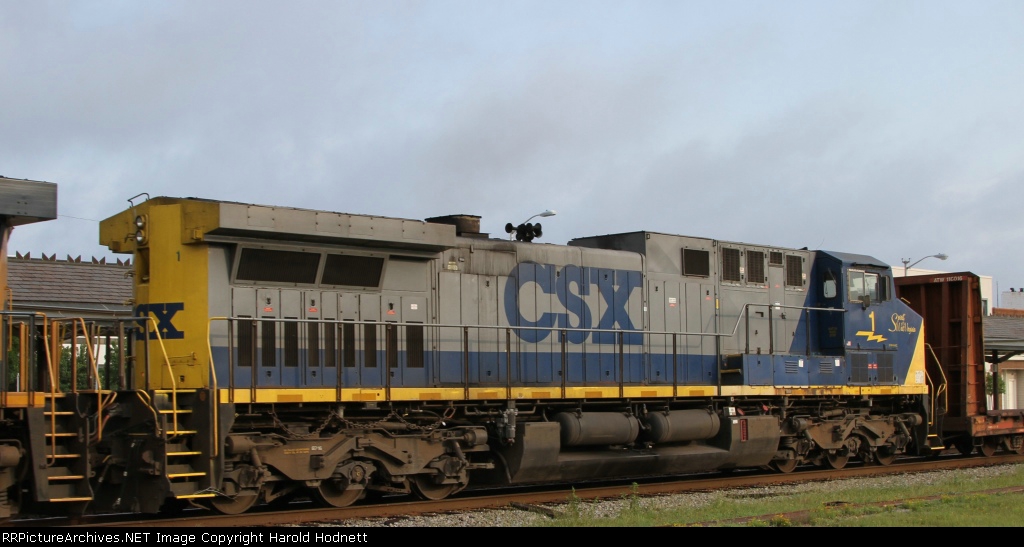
<point>362,340</point>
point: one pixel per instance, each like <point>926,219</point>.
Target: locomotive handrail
<point>27,374</point>
<point>24,355</point>
<point>148,402</point>
<point>464,336</point>
<point>213,384</point>
<point>170,371</point>
<point>51,458</point>
<point>96,372</point>
<point>744,314</point>
<point>460,325</point>
<point>942,390</point>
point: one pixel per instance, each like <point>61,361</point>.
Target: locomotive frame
<point>279,352</point>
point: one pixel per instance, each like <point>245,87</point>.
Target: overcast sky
<point>889,128</point>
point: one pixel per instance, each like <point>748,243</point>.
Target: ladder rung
<point>70,499</point>
<point>66,477</point>
<point>188,453</point>
<point>179,411</point>
<point>58,413</point>
<point>62,434</point>
<point>183,475</point>
<point>183,432</point>
<point>194,496</point>
<point>169,391</point>
<point>64,455</point>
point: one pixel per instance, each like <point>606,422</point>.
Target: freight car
<point>278,352</point>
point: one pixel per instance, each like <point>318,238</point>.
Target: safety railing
<point>938,392</point>
<point>257,344</point>
<point>744,317</point>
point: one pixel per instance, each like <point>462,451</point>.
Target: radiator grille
<point>859,372</point>
<point>794,271</point>
<point>730,265</point>
<point>885,368</point>
<point>755,267</point>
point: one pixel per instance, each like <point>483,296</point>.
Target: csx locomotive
<point>277,352</point>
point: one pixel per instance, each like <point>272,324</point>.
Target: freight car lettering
<point>570,286</point>
<point>899,324</point>
<point>164,313</point>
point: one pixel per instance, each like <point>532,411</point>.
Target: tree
<point>992,380</point>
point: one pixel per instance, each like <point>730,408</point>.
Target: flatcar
<point>277,352</point>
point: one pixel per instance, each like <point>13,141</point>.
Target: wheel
<point>1020,444</point>
<point>427,489</point>
<point>837,459</point>
<point>234,506</point>
<point>964,446</point>
<point>885,455</point>
<point>784,466</point>
<point>988,446</point>
<point>337,493</point>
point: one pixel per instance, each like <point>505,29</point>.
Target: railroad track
<point>300,513</point>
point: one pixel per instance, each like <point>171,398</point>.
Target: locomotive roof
<point>205,219</point>
<point>853,259</point>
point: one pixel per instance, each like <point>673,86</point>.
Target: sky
<point>888,128</point>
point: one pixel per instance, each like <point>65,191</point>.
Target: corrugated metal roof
<point>1003,333</point>
<point>60,284</point>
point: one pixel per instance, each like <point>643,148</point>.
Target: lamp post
<point>548,213</point>
<point>510,229</point>
<point>906,268</point>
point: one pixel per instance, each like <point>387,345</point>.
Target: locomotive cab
<point>877,337</point>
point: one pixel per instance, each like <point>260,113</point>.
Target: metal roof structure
<point>70,288</point>
<point>1004,334</point>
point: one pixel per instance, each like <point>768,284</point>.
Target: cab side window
<point>856,286</point>
<point>872,285</point>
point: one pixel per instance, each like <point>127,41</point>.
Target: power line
<point>77,218</point>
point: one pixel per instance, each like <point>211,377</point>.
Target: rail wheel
<point>885,455</point>
<point>234,505</point>
<point>784,466</point>
<point>339,493</point>
<point>1019,442</point>
<point>837,459</point>
<point>964,446</point>
<point>988,446</point>
<point>427,489</point>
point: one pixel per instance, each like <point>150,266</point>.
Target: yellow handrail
<point>945,382</point>
<point>96,375</point>
<point>170,373</point>
<point>144,397</point>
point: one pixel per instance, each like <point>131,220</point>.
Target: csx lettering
<point>570,286</point>
<point>163,313</point>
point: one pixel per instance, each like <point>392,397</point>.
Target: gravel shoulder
<point>520,518</point>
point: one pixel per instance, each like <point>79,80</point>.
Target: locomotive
<point>277,352</point>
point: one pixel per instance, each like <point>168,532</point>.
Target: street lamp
<point>526,231</point>
<point>548,213</point>
<point>906,268</point>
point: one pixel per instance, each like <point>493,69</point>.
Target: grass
<point>958,500</point>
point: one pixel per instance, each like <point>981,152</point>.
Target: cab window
<point>856,286</point>
<point>869,284</point>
